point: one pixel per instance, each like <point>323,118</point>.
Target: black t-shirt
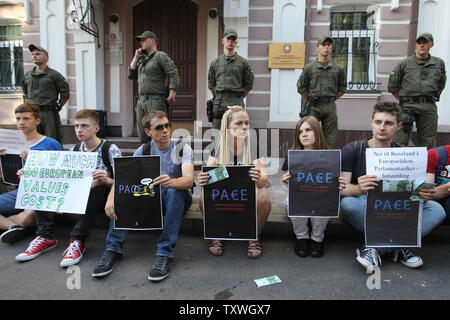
<point>354,158</point>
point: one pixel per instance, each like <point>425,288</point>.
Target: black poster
<point>314,185</point>
<point>10,163</point>
<point>392,219</point>
<point>137,203</point>
<point>230,211</point>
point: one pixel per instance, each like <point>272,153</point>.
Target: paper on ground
<point>267,281</point>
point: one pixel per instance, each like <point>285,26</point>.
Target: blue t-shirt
<point>45,143</point>
<point>170,164</point>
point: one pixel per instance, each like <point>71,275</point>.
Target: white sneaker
<point>408,258</point>
<point>368,257</point>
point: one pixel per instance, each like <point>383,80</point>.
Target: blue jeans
<point>354,209</point>
<point>8,204</point>
<point>175,204</point>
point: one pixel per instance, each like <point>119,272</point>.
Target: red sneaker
<point>73,254</point>
<point>35,248</point>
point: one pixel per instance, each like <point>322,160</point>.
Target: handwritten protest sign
<point>314,186</point>
<point>229,210</point>
<point>137,203</point>
<point>13,141</point>
<point>57,181</point>
<point>10,163</point>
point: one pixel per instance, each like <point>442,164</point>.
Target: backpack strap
<point>442,152</point>
<point>146,148</point>
<point>105,156</point>
<point>77,147</point>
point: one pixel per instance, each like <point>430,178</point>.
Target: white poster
<point>13,141</point>
<point>397,163</point>
<point>57,181</point>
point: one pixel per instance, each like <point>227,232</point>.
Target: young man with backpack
<point>86,127</point>
<point>385,123</point>
<point>176,181</point>
<point>438,171</point>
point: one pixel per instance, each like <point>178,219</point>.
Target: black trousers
<point>96,204</point>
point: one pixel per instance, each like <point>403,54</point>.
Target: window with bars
<point>11,58</point>
<point>354,48</point>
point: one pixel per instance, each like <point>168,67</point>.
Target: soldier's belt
<point>46,108</point>
<point>418,99</point>
<point>318,100</point>
<point>150,96</point>
<point>229,94</point>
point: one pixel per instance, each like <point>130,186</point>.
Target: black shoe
<point>106,264</point>
<point>160,269</point>
<point>316,249</point>
<point>301,247</point>
<point>13,234</point>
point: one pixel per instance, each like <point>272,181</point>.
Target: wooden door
<point>175,24</point>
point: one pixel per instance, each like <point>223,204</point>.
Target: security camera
<point>212,13</point>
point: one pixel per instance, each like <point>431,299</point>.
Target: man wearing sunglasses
<point>230,78</point>
<point>176,180</point>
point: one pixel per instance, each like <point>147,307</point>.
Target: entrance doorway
<point>175,24</point>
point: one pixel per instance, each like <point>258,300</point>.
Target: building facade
<point>92,42</point>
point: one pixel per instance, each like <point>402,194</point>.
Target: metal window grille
<point>11,58</point>
<point>354,48</point>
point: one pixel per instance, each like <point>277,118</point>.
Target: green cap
<point>323,39</point>
<point>32,47</point>
<point>230,33</point>
<point>147,34</point>
<point>427,36</point>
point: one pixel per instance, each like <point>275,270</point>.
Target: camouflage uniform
<point>417,81</point>
<point>322,81</point>
<point>156,74</point>
<point>229,77</point>
<point>43,89</point>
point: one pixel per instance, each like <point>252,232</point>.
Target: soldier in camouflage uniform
<point>320,84</point>
<point>47,89</point>
<point>417,82</point>
<point>157,77</point>
<point>230,78</point>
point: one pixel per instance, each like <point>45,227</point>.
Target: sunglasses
<point>161,127</point>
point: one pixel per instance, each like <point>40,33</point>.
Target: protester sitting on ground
<point>234,149</point>
<point>308,136</point>
<point>15,221</point>
<point>176,182</point>
<point>385,123</point>
<point>438,171</point>
<point>86,128</point>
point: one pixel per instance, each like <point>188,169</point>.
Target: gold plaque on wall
<point>287,55</point>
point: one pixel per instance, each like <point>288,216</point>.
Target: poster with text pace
<point>392,218</point>
<point>137,203</point>
<point>314,185</point>
<point>56,181</point>
<point>229,206</point>
<point>10,163</point>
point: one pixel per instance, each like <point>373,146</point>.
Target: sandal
<point>254,250</point>
<point>215,247</point>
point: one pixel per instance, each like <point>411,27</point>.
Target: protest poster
<point>10,163</point>
<point>392,218</point>
<point>398,163</point>
<point>13,141</point>
<point>56,181</point>
<point>229,206</point>
<point>137,203</point>
<point>314,185</point>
